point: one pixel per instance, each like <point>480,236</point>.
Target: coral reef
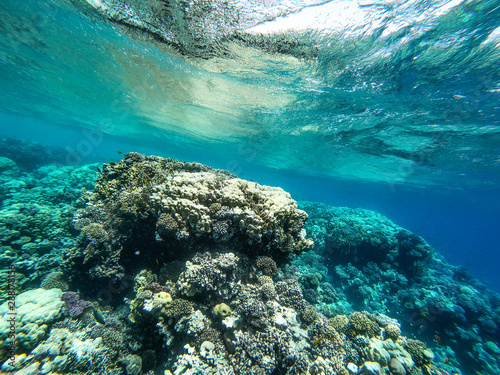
<point>30,156</point>
<point>162,207</point>
<point>208,274</point>
<point>359,236</point>
<point>251,332</point>
<point>376,265</point>
<point>34,311</point>
<point>36,219</point>
<point>65,352</point>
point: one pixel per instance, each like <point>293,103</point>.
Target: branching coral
<point>267,265</point>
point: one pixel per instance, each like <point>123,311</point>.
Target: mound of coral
<point>25,320</point>
<point>375,265</point>
<point>158,208</point>
<point>206,273</point>
<point>223,312</point>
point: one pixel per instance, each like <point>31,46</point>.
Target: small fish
<point>318,340</point>
<point>446,361</point>
<point>99,170</point>
<point>438,339</point>
<point>119,152</point>
<point>99,317</point>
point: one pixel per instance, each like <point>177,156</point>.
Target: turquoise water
<point>382,105</point>
<point>402,96</point>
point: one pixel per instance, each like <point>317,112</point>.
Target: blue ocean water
<point>461,223</point>
<point>403,121</point>
<point>386,105</point>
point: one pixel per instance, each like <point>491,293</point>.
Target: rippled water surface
<point>390,105</point>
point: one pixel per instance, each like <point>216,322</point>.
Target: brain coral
<point>162,207</point>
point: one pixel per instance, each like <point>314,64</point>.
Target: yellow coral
<point>162,298</point>
<point>222,310</point>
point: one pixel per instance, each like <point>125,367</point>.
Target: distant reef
<point>155,266</point>
<point>31,155</point>
<point>375,265</point>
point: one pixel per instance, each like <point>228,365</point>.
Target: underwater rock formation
<point>158,208</point>
<point>375,265</point>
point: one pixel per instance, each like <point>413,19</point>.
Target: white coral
<point>34,311</point>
